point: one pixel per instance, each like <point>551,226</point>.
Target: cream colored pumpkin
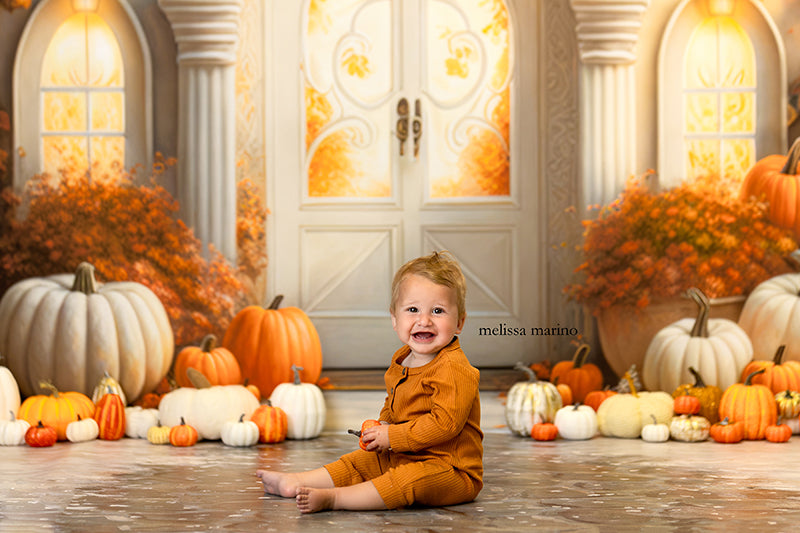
<point>82,430</point>
<point>12,430</point>
<point>717,348</point>
<point>241,433</point>
<point>689,428</point>
<point>69,329</point>
<point>138,421</point>
<point>530,402</point>
<point>9,392</point>
<point>206,408</point>
<point>655,431</point>
<point>771,315</point>
<point>576,422</point>
<point>304,406</point>
<point>624,415</point>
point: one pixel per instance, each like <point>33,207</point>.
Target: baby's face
<point>426,315</point>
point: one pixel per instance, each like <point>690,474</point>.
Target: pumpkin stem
<point>354,432</point>
<point>580,355</point>
<point>524,368</point>
<point>49,386</point>
<point>13,414</point>
<point>779,354</point>
<point>700,328</point>
<point>749,380</point>
<point>84,279</point>
<point>629,379</point>
<point>296,369</point>
<point>199,381</point>
<point>655,420</point>
<point>698,379</point>
<point>276,302</point>
<point>208,343</point>
<point>241,418</point>
<point>793,157</point>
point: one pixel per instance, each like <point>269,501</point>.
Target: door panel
<point>351,200</point>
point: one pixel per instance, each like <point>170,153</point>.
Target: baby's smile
<point>423,335</point>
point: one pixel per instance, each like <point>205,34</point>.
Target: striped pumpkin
<point>530,402</point>
<point>56,410</point>
<point>110,417</point>
<point>272,423</point>
<point>752,404</point>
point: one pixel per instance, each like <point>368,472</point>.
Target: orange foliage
<point>128,232</point>
<point>648,246</point>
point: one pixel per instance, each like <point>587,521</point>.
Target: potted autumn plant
<point>646,249</point>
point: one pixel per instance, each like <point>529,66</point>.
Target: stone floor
<point>596,485</point>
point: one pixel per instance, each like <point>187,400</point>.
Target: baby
<point>428,448</point>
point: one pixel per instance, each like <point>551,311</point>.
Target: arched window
<point>722,90</point>
<point>81,87</point>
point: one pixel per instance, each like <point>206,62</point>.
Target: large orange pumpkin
<point>216,363</point>
<point>581,377</point>
<point>56,410</point>
<point>779,375</point>
<point>752,404</point>
<point>267,342</point>
<point>775,179</point>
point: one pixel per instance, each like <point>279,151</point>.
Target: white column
<point>206,32</point>
<point>607,31</point>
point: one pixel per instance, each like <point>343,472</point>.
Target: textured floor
<point>596,485</point>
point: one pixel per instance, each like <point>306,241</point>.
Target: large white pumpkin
<point>771,317</point>
<point>717,348</point>
<point>69,329</point>
<point>530,402</point>
<point>206,408</point>
<point>9,393</point>
<point>304,406</point>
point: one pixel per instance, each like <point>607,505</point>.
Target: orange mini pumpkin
<point>686,405</point>
<point>272,422</point>
<point>183,435</point>
<point>749,403</point>
<point>217,364</point>
<point>544,431</point>
<point>581,377</point>
<point>727,432</point>
<point>267,342</point>
<point>56,410</point>
<point>597,397</point>
<point>778,433</point>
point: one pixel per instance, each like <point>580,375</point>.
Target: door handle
<point>402,124</point>
<point>417,126</point>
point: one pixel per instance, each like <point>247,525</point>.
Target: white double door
<point>348,208</point>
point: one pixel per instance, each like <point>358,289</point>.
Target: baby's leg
<point>285,484</point>
<point>360,497</point>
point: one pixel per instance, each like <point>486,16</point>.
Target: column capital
<point>608,30</point>
<point>206,31</point>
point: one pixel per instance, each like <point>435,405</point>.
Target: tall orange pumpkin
<point>216,363</point>
<point>581,377</point>
<point>267,342</point>
<point>56,410</point>
<point>775,178</point>
<point>110,416</point>
<point>752,404</point>
<point>779,375</point>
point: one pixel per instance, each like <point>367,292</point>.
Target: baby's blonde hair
<point>438,267</point>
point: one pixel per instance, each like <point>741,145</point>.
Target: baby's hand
<point>376,438</point>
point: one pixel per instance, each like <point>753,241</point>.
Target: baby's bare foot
<point>311,500</point>
<point>279,483</point>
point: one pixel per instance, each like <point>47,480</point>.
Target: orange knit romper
<point>436,455</point>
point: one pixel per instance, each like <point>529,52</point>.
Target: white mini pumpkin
<point>576,422</point>
<point>655,431</point>
<point>82,430</point>
<point>717,348</point>
<point>206,408</point>
<point>139,420</point>
<point>530,402</point>
<point>12,430</point>
<point>770,316</point>
<point>304,406</point>
<point>240,432</point>
<point>69,329</point>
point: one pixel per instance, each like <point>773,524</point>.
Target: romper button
<point>391,391</point>
<point>404,371</point>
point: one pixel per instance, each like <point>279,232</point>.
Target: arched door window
<point>726,109</point>
<point>81,90</point>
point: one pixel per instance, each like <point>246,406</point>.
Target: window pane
<point>702,113</point>
<point>65,153</point>
<point>738,156</point>
<point>738,112</point>
<point>703,157</point>
<point>64,111</point>
<point>107,111</point>
<point>108,154</point>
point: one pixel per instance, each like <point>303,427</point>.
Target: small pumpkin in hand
<point>544,431</point>
<point>581,377</point>
<point>82,430</point>
<point>727,432</point>
<point>183,435</point>
<point>12,431</point>
<point>41,436</point>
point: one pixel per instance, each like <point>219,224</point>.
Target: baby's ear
<point>461,323</point>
